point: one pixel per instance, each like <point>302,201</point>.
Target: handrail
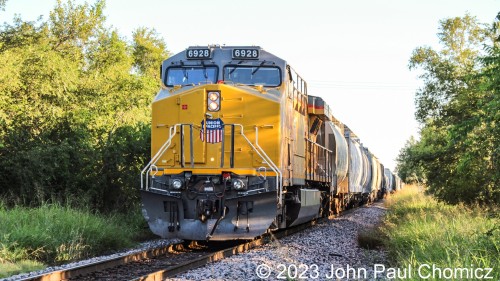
<point>163,148</point>
<point>266,159</point>
<point>328,157</point>
<point>319,145</point>
<point>275,168</point>
<point>173,131</point>
<point>156,157</point>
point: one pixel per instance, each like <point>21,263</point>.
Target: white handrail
<point>275,168</point>
<point>267,160</point>
<point>163,148</point>
<point>256,148</point>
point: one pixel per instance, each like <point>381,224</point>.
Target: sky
<point>354,54</point>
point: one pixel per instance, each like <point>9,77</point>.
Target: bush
<point>56,234</point>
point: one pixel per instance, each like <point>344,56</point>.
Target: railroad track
<point>72,272</point>
<point>219,255</point>
<point>164,262</point>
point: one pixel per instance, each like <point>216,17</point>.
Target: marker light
<point>226,176</point>
<point>213,101</point>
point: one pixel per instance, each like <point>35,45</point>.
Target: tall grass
<point>422,231</point>
<point>54,234</point>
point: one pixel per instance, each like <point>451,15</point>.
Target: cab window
<point>191,75</point>
<point>253,75</point>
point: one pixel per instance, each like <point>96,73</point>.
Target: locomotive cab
<point>213,173</point>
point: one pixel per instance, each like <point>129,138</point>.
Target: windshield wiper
<point>261,64</point>
<point>205,74</point>
<point>232,70</point>
<point>185,73</point>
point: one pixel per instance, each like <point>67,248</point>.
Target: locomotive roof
<point>223,55</point>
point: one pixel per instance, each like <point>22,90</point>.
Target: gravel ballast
<point>326,251</point>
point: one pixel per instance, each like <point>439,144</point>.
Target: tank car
<point>374,178</point>
<point>239,148</point>
<point>390,185</point>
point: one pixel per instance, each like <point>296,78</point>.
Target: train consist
<point>239,147</point>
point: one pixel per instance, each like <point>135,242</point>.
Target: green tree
<point>74,115</point>
<point>408,166</point>
<point>447,73</point>
<point>72,26</point>
<point>149,51</point>
<point>458,110</point>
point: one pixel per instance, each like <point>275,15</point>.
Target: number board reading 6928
<point>245,54</point>
<point>198,54</point>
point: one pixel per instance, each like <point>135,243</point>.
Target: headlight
<point>213,96</point>
<point>176,184</point>
<point>238,184</point>
<point>213,101</point>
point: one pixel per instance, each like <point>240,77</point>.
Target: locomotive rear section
<point>239,147</point>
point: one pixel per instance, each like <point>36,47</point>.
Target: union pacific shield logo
<point>212,131</point>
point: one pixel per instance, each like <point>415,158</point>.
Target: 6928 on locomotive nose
<point>238,148</point>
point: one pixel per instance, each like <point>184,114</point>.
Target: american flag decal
<point>213,131</point>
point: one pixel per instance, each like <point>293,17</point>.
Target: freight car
<point>239,148</point>
<point>392,182</point>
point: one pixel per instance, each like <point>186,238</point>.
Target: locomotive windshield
<point>191,75</point>
<point>253,75</point>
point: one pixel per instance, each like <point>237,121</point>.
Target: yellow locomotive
<point>239,148</point>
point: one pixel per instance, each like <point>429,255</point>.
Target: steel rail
<point>71,272</point>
